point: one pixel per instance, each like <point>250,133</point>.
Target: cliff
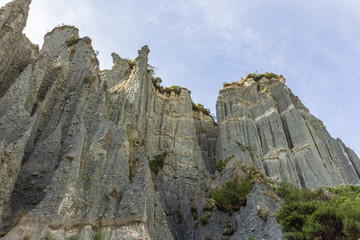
<point>86,152</point>
<point>287,142</point>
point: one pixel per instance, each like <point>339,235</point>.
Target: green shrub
<point>219,165</point>
<point>232,195</point>
<point>346,191</point>
<point>157,82</point>
<point>173,88</point>
<point>267,75</point>
<point>200,108</point>
<point>319,214</point>
<point>225,85</point>
<point>325,223</point>
<point>75,237</point>
<point>158,162</point>
<point>351,210</point>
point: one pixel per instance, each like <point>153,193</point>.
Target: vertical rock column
<point>286,141</point>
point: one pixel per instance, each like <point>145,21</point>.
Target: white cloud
<point>3,2</point>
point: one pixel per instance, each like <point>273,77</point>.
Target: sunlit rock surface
<point>76,143</point>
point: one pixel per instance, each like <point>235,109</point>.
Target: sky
<point>200,44</point>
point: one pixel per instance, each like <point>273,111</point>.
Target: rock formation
<point>286,141</point>
<point>78,146</point>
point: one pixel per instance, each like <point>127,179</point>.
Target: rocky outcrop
<point>262,121</point>
<point>86,152</point>
<point>80,170</point>
<point>16,50</point>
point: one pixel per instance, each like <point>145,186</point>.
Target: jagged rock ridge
<point>76,142</point>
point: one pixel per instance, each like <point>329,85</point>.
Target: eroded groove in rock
<point>300,140</point>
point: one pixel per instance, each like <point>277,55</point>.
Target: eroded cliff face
<point>265,125</point>
<point>16,49</point>
<point>76,145</point>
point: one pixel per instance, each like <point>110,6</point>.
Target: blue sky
<point>199,44</point>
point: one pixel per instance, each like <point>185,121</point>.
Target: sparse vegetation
<point>219,165</point>
<point>249,149</point>
<point>264,213</point>
<point>173,88</point>
<point>229,228</point>
<point>27,237</point>
<point>177,90</point>
<point>157,84</point>
<point>48,236</point>
<point>330,213</point>
<point>131,63</point>
<point>158,162</point>
<point>256,175</point>
<point>205,218</point>
<point>75,237</point>
<point>129,135</point>
<point>179,215</point>
<point>210,204</point>
<point>232,195</point>
<point>255,76</point>
<point>72,40</point>
<point>98,235</point>
<point>242,146</point>
<point>151,68</point>
<point>228,224</point>
<point>267,75</point>
<point>200,108</point>
<point>193,209</point>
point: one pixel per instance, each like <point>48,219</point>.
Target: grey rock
<point>16,49</point>
<point>286,141</point>
<point>76,144</point>
<point>257,217</point>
